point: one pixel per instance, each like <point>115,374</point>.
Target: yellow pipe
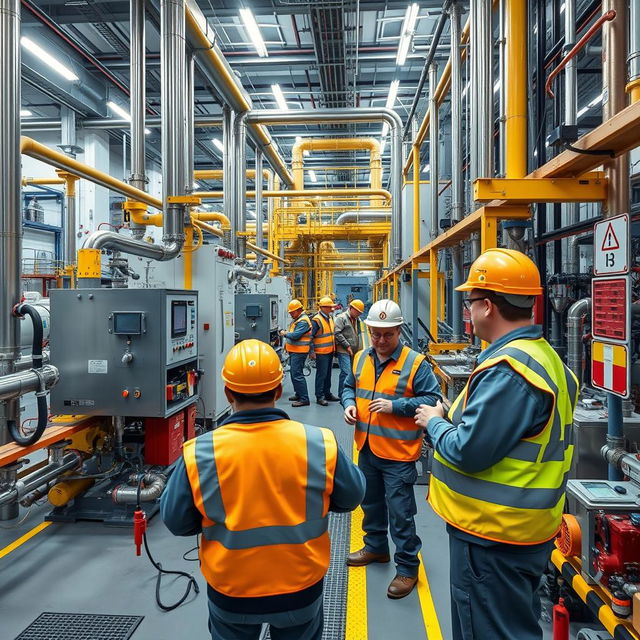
<point>207,227</point>
<point>30,147</point>
<point>218,174</point>
<point>211,216</point>
<point>294,193</point>
<point>27,181</point>
<point>188,257</point>
<point>633,89</point>
<point>416,199</point>
<point>516,89</point>
<point>266,253</point>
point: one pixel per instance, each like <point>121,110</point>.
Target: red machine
<point>163,438</point>
<point>617,541</point>
<point>190,422</point>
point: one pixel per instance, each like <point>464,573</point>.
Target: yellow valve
<point>89,265</point>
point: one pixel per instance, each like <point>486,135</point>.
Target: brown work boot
<point>401,586</point>
<point>362,558</point>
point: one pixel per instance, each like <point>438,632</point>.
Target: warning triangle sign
<point>610,241</point>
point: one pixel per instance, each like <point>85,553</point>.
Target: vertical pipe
<point>614,51</point>
<point>137,68</point>
<point>259,217</point>
<point>416,198</point>
<point>516,89</point>
<point>634,52</point>
<point>190,124</point>
<point>173,61</point>
<point>474,89</point>
<point>502,77</point>
<point>415,281</point>
<point>395,132</point>
<point>10,178</point>
<point>70,223</point>
<point>434,148</point>
<point>484,100</point>
<point>240,183</point>
<point>228,173</point>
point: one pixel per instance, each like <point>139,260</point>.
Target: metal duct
<point>365,216</point>
<point>15,385</point>
<point>154,484</point>
<point>575,316</point>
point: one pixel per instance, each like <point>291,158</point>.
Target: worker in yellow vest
<point>389,381</point>
<point>502,457</point>
<point>323,348</point>
<point>264,551</point>
<point>297,345</point>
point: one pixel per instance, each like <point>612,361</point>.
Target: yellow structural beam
<point>587,188</point>
<point>439,347</point>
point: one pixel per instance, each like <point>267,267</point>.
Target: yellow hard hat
<point>357,304</point>
<point>504,271</point>
<point>252,367</point>
<point>294,305</point>
<point>326,301</point>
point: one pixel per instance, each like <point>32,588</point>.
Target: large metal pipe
<point>15,385</point>
<point>359,217</point>
<point>434,149</point>
<point>190,124</point>
<point>634,51</point>
<point>484,102</point>
<point>152,488</point>
<point>259,215</point>
<point>346,116</point>
<point>229,176</point>
<point>10,218</point>
<point>240,185</point>
<point>26,362</point>
<point>70,223</point>
<point>575,317</point>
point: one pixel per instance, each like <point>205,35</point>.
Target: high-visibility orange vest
<point>302,344</point>
<point>390,436</point>
<point>324,340</point>
<point>263,491</point>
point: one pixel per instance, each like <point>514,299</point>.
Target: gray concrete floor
<point>87,567</point>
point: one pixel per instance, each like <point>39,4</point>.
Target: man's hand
<point>350,415</point>
<point>380,405</point>
<point>350,351</point>
<point>312,355</point>
<point>283,332</point>
<point>425,412</point>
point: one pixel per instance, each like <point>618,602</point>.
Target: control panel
<point>124,352</point>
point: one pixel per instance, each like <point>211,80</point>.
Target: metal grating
<point>80,626</point>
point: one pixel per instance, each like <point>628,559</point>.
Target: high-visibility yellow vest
<point>302,344</point>
<point>263,491</point>
<point>520,499</point>
<point>391,436</point>
<point>324,340</point>
<point>363,333</point>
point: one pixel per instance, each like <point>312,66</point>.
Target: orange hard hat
<point>252,367</point>
<point>357,304</point>
<point>504,271</point>
<point>326,301</point>
<point>294,305</point>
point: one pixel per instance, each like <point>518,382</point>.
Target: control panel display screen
<point>600,490</point>
<point>178,318</point>
<point>127,323</point>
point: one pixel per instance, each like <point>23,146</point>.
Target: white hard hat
<point>384,313</point>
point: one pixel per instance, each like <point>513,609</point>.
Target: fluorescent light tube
<point>408,27</point>
<point>253,30</point>
<point>48,59</point>
<point>312,175</point>
<point>393,92</point>
<point>218,144</point>
<point>25,113</point>
<point>279,96</point>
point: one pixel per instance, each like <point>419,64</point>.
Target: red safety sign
<point>611,305</point>
<point>611,246</point>
<point>610,367</point>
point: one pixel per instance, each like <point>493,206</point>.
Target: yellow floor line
<point>429,615</point>
<point>20,541</point>
<point>356,623</point>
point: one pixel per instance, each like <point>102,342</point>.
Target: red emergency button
<point>125,393</point>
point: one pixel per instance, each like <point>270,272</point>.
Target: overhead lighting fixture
<point>279,96</point>
<point>125,115</point>
<point>426,168</point>
<point>408,27</point>
<point>47,58</point>
<point>393,93</point>
<point>25,113</point>
<point>218,144</point>
<point>253,30</point>
<point>312,175</point>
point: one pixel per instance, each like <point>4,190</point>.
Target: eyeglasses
<point>467,302</point>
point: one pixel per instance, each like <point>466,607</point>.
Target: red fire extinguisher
<point>139,528</point>
<point>560,621</point>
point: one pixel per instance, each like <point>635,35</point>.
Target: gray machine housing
<point>257,317</point>
<point>119,351</point>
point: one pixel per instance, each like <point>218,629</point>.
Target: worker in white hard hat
<point>388,382</point>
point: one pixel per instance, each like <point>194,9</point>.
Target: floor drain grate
<point>80,626</point>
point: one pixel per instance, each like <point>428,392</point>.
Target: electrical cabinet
<point>257,317</point>
<point>124,352</point>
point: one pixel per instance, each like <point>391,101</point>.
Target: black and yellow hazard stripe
<point>594,597</point>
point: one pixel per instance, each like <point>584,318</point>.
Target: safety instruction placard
<point>611,246</point>
<point>610,367</point>
<point>611,308</point>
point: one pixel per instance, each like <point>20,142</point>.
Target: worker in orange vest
<point>259,489</point>
<point>388,383</point>
<point>298,345</point>
<point>323,349</point>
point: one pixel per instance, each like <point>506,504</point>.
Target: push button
<point>125,393</point>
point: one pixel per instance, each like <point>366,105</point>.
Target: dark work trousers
<point>494,590</point>
<point>299,624</point>
<point>323,375</point>
<point>345,362</point>
<point>389,502</point>
<point>296,364</point>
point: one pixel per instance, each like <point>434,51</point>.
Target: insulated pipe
<point>154,484</point>
<point>484,99</point>
<point>33,149</point>
<point>189,125</point>
<point>434,149</point>
<point>347,116</point>
<point>10,209</point>
<point>15,385</point>
<point>137,73</point>
<point>634,51</point>
<point>25,362</point>
<point>259,216</point>
<point>228,179</point>
<point>363,216</point>
<point>327,194</point>
<point>575,316</point>
<point>218,174</point>
<point>240,185</point>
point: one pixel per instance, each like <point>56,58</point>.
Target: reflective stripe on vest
<point>302,344</point>
<point>390,436</point>
<point>324,340</point>
<point>365,339</point>
<point>265,514</point>
<point>520,499</point>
